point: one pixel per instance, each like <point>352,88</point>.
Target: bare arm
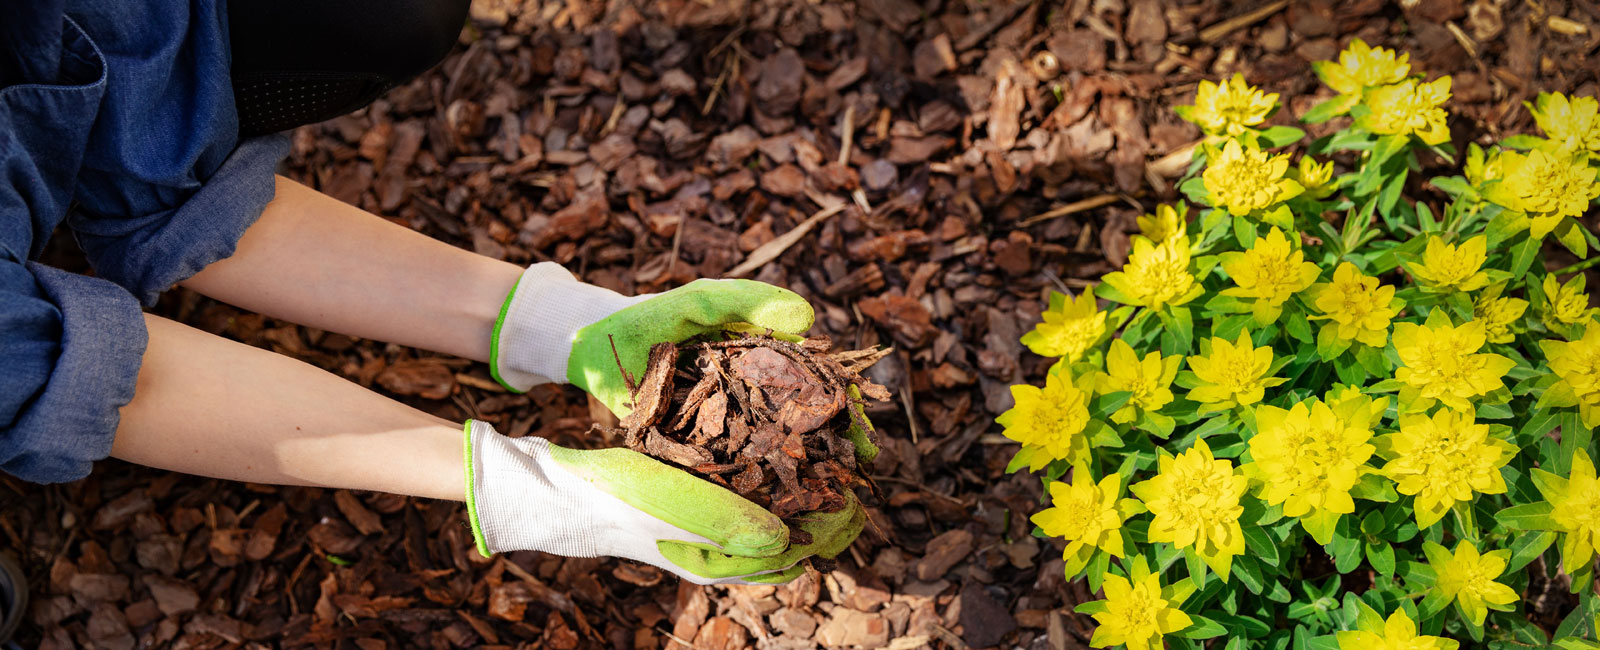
<point>314,260</point>
<point>209,406</point>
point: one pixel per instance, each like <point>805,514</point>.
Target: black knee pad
<point>301,61</point>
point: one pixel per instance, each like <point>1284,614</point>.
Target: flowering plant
<point>1320,412</point>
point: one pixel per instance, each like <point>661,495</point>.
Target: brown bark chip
<point>783,406</point>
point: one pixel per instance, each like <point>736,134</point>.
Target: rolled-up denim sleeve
<point>166,186</point>
<point>71,346</point>
<point>158,248</point>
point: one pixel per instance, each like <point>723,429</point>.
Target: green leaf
<point>1391,192</point>
<point>1196,566</point>
<point>1195,189</point>
<point>1527,547</point>
<point>1381,555</point>
<point>1249,573</point>
<point>1202,628</point>
<point>1252,627</point>
<point>1091,607</point>
<point>1280,136</point>
<point>1453,185</point>
<point>1522,141</point>
<point>1345,551</point>
<point>1261,545</point>
<point>1528,516</point>
<point>1324,111</point>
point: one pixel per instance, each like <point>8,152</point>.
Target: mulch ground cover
<point>924,173</point>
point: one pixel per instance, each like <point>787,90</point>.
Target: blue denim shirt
<point>116,119</point>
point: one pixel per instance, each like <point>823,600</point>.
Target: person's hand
<point>527,494</point>
<point>554,328</point>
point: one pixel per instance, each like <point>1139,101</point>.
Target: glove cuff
<point>532,338</point>
<point>533,504</point>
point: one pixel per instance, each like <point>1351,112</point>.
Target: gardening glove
<point>554,328</point>
<point>527,494</point>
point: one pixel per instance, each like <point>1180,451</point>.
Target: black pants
<point>297,62</point>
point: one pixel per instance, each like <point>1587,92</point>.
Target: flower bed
<point>1316,368</point>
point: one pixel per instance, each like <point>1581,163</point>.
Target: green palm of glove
<point>743,540</point>
<point>698,308</point>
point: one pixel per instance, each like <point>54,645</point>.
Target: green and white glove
<point>527,494</point>
<point>554,328</point>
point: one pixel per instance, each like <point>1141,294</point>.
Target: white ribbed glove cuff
<point>520,498</point>
<point>533,337</point>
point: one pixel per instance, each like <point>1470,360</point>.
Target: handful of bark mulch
<point>780,423</point>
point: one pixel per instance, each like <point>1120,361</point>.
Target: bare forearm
<point>209,406</point>
<point>313,260</point>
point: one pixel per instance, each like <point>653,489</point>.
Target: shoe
<point>13,596</point>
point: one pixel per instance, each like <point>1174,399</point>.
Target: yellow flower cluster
<point>1575,509</point>
<point>1087,515</point>
<point>1409,108</point>
<point>1071,326</point>
<point>1229,108</point>
<point>1544,187</point>
<point>1269,272</point>
<point>1447,267</point>
<point>1137,612</point>
<point>1195,500</point>
<point>1443,362</point>
<point>1049,422</point>
<point>1443,460</point>
<point>1310,457</point>
<point>1577,366</point>
<point>1356,307</point>
<point>1468,578</point>
<point>1232,374</point>
<point>1399,632</point>
<point>1572,124</point>
<point>1243,179</point>
<point>1361,67</point>
<point>1157,274</point>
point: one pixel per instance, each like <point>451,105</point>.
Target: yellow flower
<point>1498,315</point>
<point>1136,612</point>
<point>1577,364</point>
<point>1195,502</point>
<point>1232,374</point>
<point>1572,123</point>
<point>1397,633</point>
<point>1446,267</point>
<point>1575,509</point>
<point>1315,177</point>
<point>1361,67</point>
<point>1243,179</point>
<point>1070,328</point>
<point>1442,362</point>
<point>1442,460</point>
<point>1148,381</point>
<point>1156,274</point>
<point>1086,515</point>
<point>1309,460</point>
<point>1049,421</point>
<point>1409,107</point>
<point>1468,578</point>
<point>1270,272</point>
<point>1166,224</point>
<point>1566,304</point>
<point>1229,108</point>
<point>1357,308</point>
<point>1544,186</point>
